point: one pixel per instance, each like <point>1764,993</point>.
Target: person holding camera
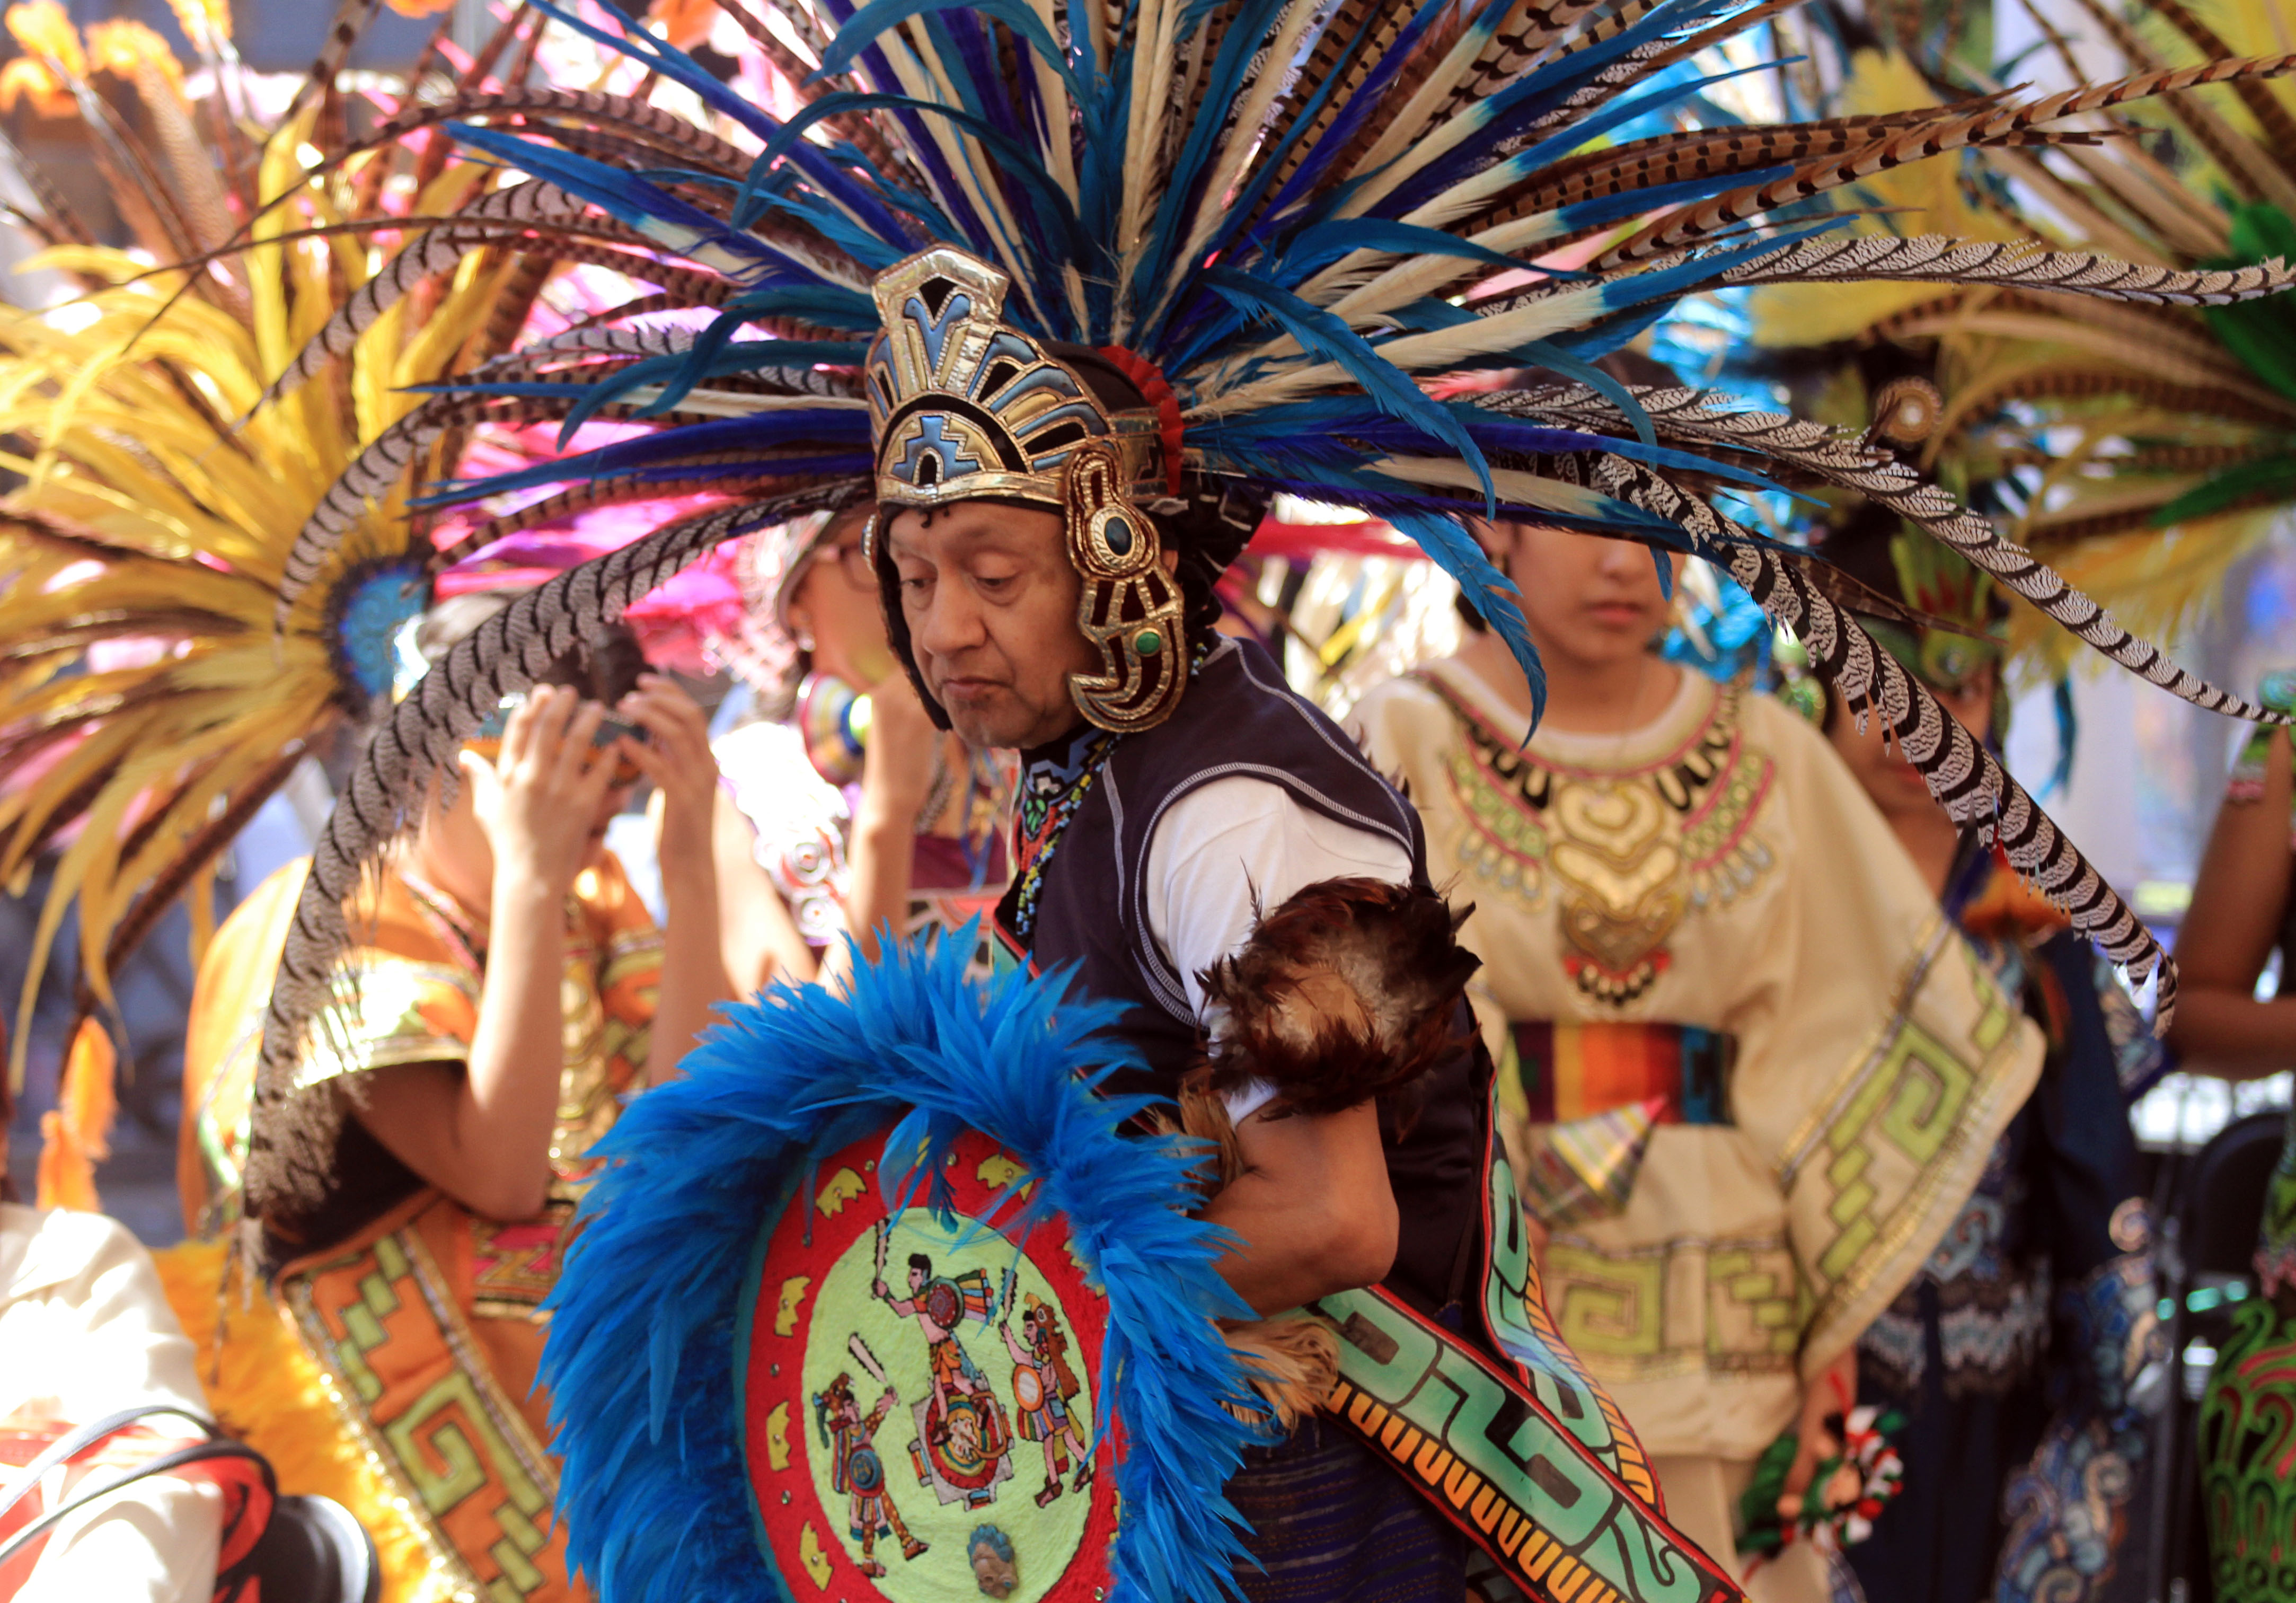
<point>508,993</point>
<point>845,810</point>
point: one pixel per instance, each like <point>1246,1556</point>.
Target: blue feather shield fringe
<point>643,1344</point>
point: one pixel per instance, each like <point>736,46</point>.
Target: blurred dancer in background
<point>509,992</point>
<point>2016,1352</point>
<point>2243,908</point>
<point>1706,965</point>
<point>846,811</point>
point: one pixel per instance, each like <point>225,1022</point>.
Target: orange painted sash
<point>1575,1071</point>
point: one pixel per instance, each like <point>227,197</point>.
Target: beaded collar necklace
<point>1052,788</point>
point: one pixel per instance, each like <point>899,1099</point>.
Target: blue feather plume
<point>642,1354</point>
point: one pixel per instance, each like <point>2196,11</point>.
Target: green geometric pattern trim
<point>1912,1098</point>
<point>1562,1528</point>
<point>448,1445</point>
<point>363,1319</point>
<point>1626,1307</point>
<point>2248,1433</point>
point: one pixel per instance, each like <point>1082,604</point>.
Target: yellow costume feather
<point>148,704</point>
<point>2123,409</point>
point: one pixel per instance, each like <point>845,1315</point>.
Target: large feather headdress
<point>1294,214</point>
<point>2150,447</point>
<point>154,688</point>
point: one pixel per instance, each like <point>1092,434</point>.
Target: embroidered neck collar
<point>1053,784</point>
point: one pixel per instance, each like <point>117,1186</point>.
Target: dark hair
<point>919,1261</point>
<point>605,669</point>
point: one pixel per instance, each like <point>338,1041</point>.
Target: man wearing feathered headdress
<point>1203,845</point>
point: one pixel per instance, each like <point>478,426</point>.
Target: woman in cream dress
<point>1747,1072</point>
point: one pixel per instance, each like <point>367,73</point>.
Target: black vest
<point>1238,718</point>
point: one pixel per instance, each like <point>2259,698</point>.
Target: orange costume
<point>423,1318</point>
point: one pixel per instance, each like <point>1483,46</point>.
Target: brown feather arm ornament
<point>1351,991</point>
<point>1348,992</point>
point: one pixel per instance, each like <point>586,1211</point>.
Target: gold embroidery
<point>1618,855</point>
<point>1629,853</point>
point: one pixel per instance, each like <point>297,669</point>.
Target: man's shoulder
<point>1231,805</point>
<point>1234,674</point>
<point>1239,715</point>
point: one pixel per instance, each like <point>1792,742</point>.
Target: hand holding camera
<point>539,799</point>
<point>671,748</point>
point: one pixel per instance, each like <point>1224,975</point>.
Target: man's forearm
<point>1311,1209</point>
<point>1290,1251</point>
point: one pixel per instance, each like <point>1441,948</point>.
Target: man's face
<point>916,1278</point>
<point>990,600</point>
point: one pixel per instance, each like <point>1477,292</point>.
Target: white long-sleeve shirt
<point>86,1331</point>
<point>1229,850</point>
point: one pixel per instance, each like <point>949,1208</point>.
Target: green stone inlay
<point>1148,643</point>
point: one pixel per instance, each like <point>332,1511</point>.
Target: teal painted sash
<point>1531,1460</point>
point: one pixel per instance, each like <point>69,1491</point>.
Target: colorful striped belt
<point>1577,1071</point>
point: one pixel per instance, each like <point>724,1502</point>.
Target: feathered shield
<point>899,1231</point>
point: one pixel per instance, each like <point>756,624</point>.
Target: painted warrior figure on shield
<point>960,1397</point>
<point>855,1469</point>
<point>1044,1386</point>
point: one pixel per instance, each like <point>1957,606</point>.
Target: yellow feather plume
<point>146,699</point>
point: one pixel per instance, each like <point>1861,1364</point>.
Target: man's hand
<point>539,799</point>
<point>676,757</point>
<point>1313,1209</point>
